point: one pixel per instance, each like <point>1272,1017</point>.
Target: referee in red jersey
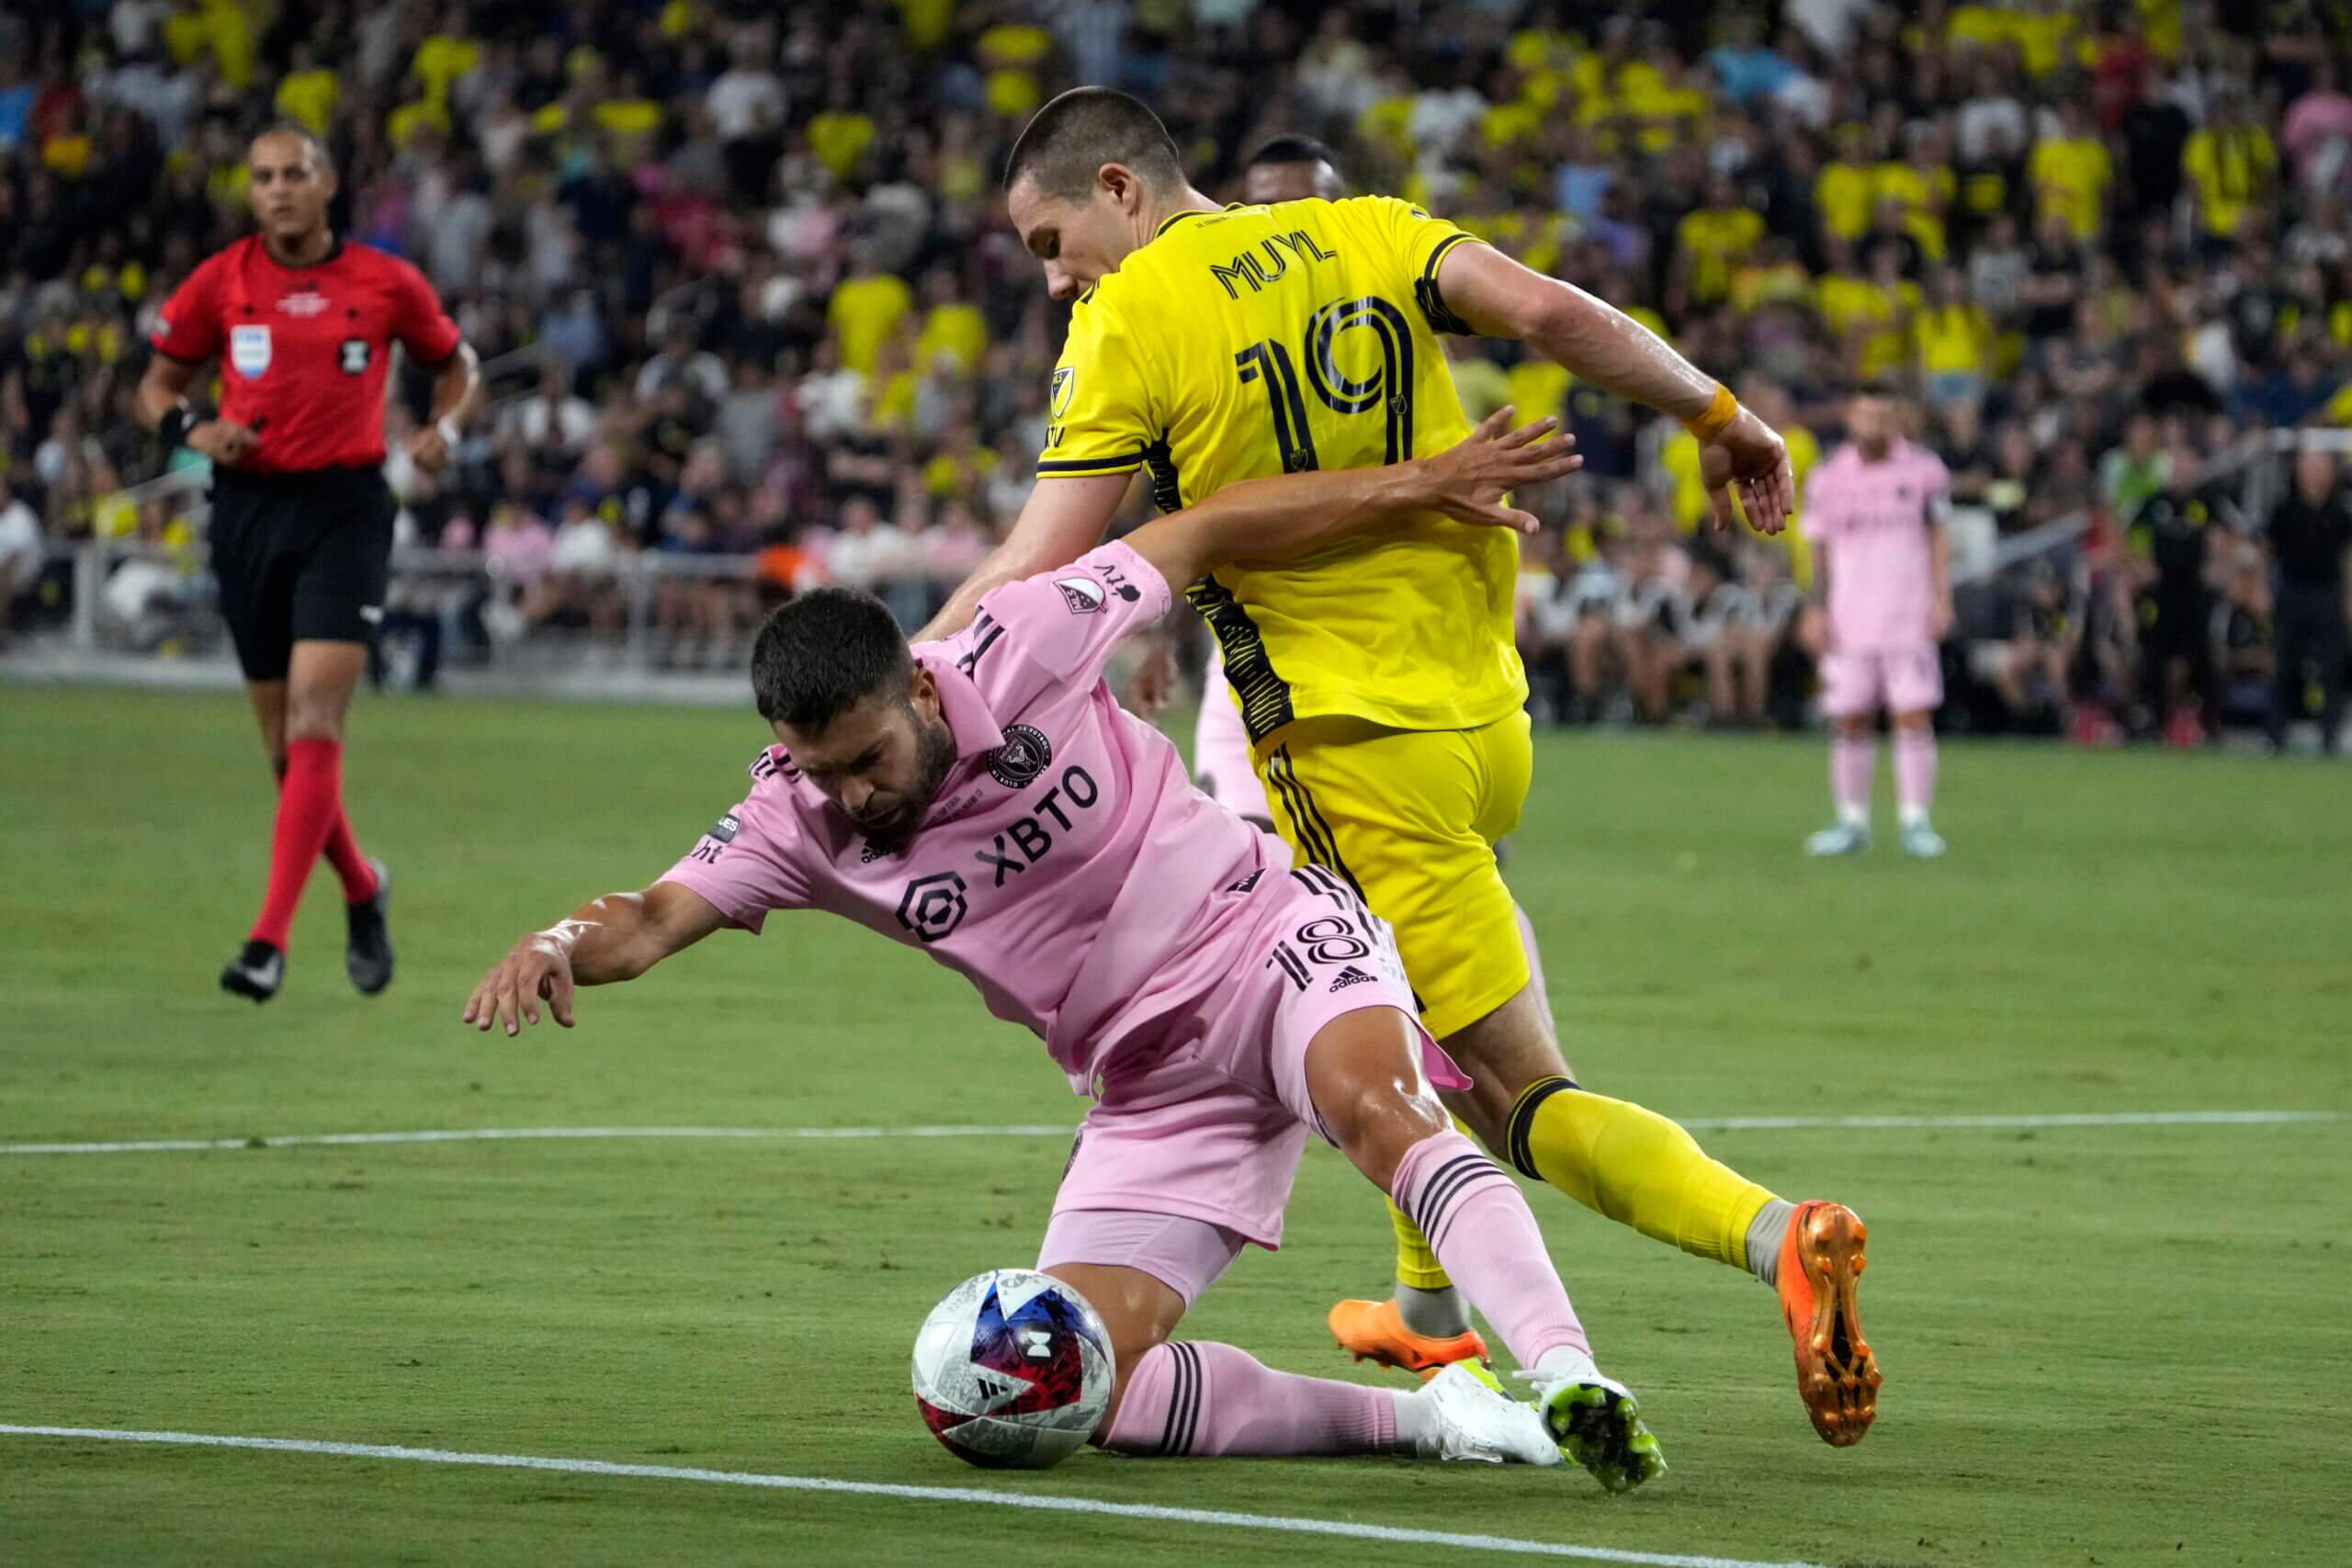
<point>302,535</point>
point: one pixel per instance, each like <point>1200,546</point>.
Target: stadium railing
<point>455,585</point>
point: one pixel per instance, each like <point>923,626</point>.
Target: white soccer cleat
<point>1843,839</point>
<point>1598,1423</point>
<point>1922,842</point>
<point>1472,1418</point>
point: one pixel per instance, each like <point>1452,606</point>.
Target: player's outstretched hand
<point>1749,460</point>
<point>1474,475</point>
<point>537,970</point>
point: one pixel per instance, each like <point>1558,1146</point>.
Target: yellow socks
<point>1417,1266</point>
<point>1634,1166</point>
<point>1620,1160</point>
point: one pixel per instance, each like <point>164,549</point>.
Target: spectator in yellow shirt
<point>1955,341</point>
<point>1923,185</point>
<point>1842,192</point>
<point>1686,488</point>
<point>406,121</point>
<point>218,27</point>
<point>2071,173</point>
<point>1844,300</point>
<point>446,55</point>
<point>950,326</point>
<point>2046,36</point>
<point>1893,304</point>
<point>2231,165</point>
<point>307,95</point>
<point>840,135</point>
<point>866,308</point>
<point>1769,275</point>
<point>1013,54</point>
<point>1709,244</point>
<point>628,112</point>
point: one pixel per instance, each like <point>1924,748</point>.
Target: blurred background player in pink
<point>1882,565</point>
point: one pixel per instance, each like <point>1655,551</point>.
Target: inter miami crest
<point>1017,763</point>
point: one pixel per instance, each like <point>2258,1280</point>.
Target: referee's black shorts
<point>299,557</point>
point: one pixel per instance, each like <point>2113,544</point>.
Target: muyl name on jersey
<point>1265,261</point>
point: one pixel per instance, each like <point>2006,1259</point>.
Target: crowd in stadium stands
<point>773,310</point>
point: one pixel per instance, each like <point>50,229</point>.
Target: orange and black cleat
<point>1821,1263</point>
<point>1373,1331</point>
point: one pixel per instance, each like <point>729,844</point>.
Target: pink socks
<point>1914,774</point>
<point>1852,760</point>
<point>1478,1224</point>
<point>1210,1401</point>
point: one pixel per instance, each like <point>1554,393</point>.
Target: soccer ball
<point>1012,1370</point>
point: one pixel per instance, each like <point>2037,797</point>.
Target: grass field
<point>2104,1345</point>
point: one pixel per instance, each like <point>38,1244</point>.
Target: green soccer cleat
<point>1922,842</point>
<point>1598,1423</point>
<point>1845,838</point>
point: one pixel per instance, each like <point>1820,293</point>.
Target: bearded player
<point>986,801</point>
<point>1377,679</point>
<point>1874,513</point>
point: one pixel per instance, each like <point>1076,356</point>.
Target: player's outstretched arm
<point>1599,344</point>
<point>617,937</point>
<point>1063,518</point>
<point>1282,518</point>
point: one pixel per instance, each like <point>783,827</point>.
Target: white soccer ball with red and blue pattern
<point>1012,1370</point>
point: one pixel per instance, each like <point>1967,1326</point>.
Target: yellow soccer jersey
<point>1265,340</point>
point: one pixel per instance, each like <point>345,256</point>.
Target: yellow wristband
<point>1721,412</point>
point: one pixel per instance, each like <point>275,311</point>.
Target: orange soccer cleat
<point>1373,1331</point>
<point>1820,1262</point>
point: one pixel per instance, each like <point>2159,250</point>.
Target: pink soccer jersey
<point>1067,862</point>
<point>1875,518</point>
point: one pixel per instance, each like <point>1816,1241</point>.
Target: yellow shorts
<point>1410,819</point>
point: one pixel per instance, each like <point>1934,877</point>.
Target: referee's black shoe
<point>368,954</point>
<point>255,972</point>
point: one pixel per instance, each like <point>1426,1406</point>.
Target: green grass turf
<point>2103,1345</point>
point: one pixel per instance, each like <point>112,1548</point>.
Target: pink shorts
<point>1900,679</point>
<point>1206,1123</point>
<point>1221,750</point>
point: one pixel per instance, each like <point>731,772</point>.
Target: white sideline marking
<point>1042,1130</point>
<point>1270,1522</point>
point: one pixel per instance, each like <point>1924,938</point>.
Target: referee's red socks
<point>310,822</point>
<point>343,853</point>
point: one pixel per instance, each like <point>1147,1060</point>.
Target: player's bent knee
<point>1365,1076</point>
